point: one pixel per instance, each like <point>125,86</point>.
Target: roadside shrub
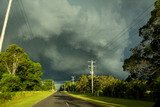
<point>10,83</point>
<point>156,92</point>
<point>136,89</point>
<point>6,96</point>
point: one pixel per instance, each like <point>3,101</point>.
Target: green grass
<point>26,99</point>
<point>113,102</point>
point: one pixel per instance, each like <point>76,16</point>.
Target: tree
<point>30,74</point>
<point>156,91</point>
<point>13,57</point>
<point>16,62</point>
<point>2,67</point>
<point>10,83</point>
<point>83,84</point>
<point>101,82</point>
<point>119,89</point>
<point>136,88</point>
<point>145,60</point>
<point>48,85</point>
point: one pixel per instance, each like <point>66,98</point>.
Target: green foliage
<point>83,84</point>
<point>136,88</point>
<point>119,89</point>
<point>6,96</point>
<point>23,98</point>
<point>48,85</point>
<point>12,58</point>
<point>100,82</point>
<point>156,92</point>
<point>2,68</point>
<point>19,73</point>
<point>144,63</point>
<point>109,86</point>
<point>156,88</point>
<point>113,102</point>
<point>133,89</point>
<point>68,86</point>
<point>22,72</point>
<point>30,74</point>
<point>10,83</point>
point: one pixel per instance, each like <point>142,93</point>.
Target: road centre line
<point>67,104</point>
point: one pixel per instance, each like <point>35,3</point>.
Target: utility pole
<point>5,24</point>
<point>73,78</point>
<point>52,85</point>
<point>91,66</point>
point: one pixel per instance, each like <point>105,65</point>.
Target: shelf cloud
<point>65,34</point>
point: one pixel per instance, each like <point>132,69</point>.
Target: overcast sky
<point>64,34</point>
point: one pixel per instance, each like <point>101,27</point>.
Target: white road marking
<point>67,104</point>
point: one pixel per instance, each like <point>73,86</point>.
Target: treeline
<point>144,63</point>
<point>19,73</point>
<point>113,87</point>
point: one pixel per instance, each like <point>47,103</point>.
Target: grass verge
<point>112,102</point>
<point>26,99</point>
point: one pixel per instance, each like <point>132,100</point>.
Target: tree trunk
<point>7,68</point>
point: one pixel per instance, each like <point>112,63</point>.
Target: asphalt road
<point>62,100</point>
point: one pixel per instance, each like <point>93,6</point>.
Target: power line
<point>13,18</point>
<point>23,29</point>
<point>16,19</point>
<point>27,18</point>
<point>122,42</point>
<point>3,4</point>
<point>125,40</point>
<point>23,12</point>
<point>129,27</point>
<point>111,42</point>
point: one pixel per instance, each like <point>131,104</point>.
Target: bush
<point>156,92</point>
<point>136,89</point>
<point>10,83</point>
<point>6,96</point>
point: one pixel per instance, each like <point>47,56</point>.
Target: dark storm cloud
<point>137,11</point>
<point>68,33</point>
